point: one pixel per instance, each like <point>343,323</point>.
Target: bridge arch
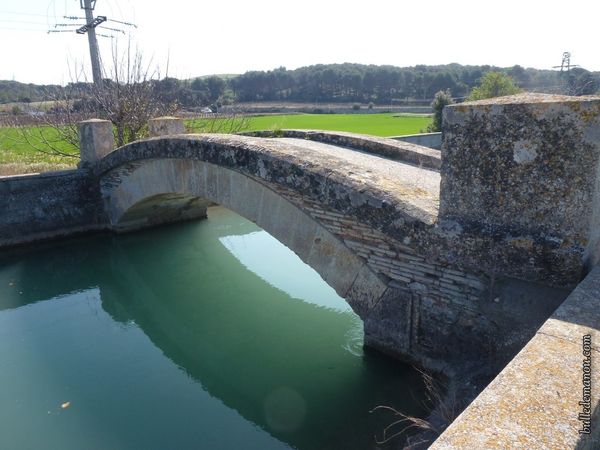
<point>350,217</point>
<point>172,189</point>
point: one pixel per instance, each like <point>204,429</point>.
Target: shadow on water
<point>282,363</point>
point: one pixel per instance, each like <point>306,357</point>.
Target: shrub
<point>441,99</point>
<point>494,84</point>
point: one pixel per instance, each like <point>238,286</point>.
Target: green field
<point>373,124</point>
<point>18,156</point>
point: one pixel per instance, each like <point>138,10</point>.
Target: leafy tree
<point>494,84</point>
<point>216,87</point>
<point>520,75</point>
<point>350,83</point>
<point>441,99</point>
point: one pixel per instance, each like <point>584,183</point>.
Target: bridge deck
<point>411,190</point>
<point>420,186</point>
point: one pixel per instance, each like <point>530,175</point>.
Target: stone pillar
<point>96,140</point>
<point>165,126</point>
<point>524,171</point>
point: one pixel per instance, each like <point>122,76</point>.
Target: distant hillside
<point>225,76</point>
<point>13,91</point>
<point>323,83</point>
<point>386,84</point>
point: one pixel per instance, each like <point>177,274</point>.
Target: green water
<point>205,335</point>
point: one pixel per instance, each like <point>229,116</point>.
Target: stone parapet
<point>96,140</point>
<point>165,126</point>
<point>42,206</point>
<point>431,140</point>
<point>523,171</point>
<point>389,148</point>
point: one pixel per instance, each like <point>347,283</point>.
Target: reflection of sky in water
<point>68,349</point>
<point>303,284</point>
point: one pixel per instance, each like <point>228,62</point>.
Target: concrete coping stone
<point>436,133</point>
<point>528,98</point>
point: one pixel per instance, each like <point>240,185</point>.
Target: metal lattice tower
<point>89,28</point>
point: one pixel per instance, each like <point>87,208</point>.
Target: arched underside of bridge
<point>297,195</point>
<point>168,190</point>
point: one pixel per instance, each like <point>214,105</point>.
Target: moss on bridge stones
<point>389,148</point>
<point>520,179</point>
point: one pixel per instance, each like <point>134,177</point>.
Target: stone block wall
<point>447,312</point>
<point>536,401</point>
<point>48,205</point>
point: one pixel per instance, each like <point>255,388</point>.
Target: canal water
<point>203,335</point>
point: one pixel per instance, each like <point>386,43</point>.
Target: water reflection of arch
<point>150,191</point>
<point>230,362</point>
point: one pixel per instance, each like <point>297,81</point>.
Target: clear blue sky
<point>233,36</point>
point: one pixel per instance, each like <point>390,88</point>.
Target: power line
<point>565,71</point>
<point>23,14</point>
<point>112,29</point>
<point>89,28</point>
<point>108,20</point>
<point>23,21</point>
<point>22,29</point>
<point>123,23</point>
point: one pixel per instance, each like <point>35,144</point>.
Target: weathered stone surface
<point>96,140</point>
<point>34,207</point>
<point>387,147</point>
<point>534,402</point>
<point>388,324</point>
<point>523,171</point>
<point>381,212</point>
<point>374,195</point>
<point>165,126</point>
<point>138,195</point>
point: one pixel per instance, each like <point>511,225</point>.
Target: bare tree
<point>128,97</point>
<point>132,92</point>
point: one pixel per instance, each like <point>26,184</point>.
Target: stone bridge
<point>445,256</point>
<point>453,259</point>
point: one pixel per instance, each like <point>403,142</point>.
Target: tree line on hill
<point>13,91</point>
<point>332,83</point>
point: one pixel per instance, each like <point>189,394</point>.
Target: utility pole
<point>566,63</point>
<point>565,70</point>
<point>90,29</point>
